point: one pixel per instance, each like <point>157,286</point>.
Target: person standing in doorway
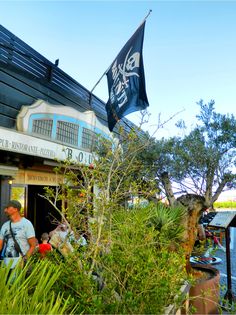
<point>17,235</point>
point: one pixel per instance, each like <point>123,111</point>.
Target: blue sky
<point>189,48</point>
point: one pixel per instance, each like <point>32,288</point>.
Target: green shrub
<point>169,222</point>
<point>133,262</point>
<point>138,271</point>
<point>145,273</point>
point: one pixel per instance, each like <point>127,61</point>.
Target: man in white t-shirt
<point>23,232</point>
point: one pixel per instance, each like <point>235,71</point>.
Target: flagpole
<point>91,91</point>
<point>100,80</point>
<point>150,11</point>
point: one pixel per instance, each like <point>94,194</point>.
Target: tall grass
<point>24,293</point>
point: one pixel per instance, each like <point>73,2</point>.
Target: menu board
<point>223,219</point>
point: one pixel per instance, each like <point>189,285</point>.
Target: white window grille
<point>43,127</point>
<point>67,132</point>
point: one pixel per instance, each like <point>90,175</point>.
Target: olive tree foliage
<point>200,162</point>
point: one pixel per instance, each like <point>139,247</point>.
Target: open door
<point>40,212</point>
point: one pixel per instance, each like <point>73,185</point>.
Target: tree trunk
<point>195,205</point>
<point>168,188</point>
<point>218,191</point>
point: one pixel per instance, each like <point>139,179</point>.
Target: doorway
<point>40,212</point>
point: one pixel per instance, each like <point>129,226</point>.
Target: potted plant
<point>204,295</point>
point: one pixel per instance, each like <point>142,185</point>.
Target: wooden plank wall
<point>17,89</point>
<point>25,76</point>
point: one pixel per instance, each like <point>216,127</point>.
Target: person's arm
<point>1,239</point>
<point>1,244</point>
<point>32,243</point>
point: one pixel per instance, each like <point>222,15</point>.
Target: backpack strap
<point>17,246</point>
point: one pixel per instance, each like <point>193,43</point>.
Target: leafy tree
<point>202,161</point>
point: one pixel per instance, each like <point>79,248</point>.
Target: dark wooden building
<point>26,155</point>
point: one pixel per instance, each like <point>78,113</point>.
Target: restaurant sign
<point>37,178</point>
<point>14,141</point>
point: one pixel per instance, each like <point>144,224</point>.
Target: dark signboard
<point>223,219</point>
